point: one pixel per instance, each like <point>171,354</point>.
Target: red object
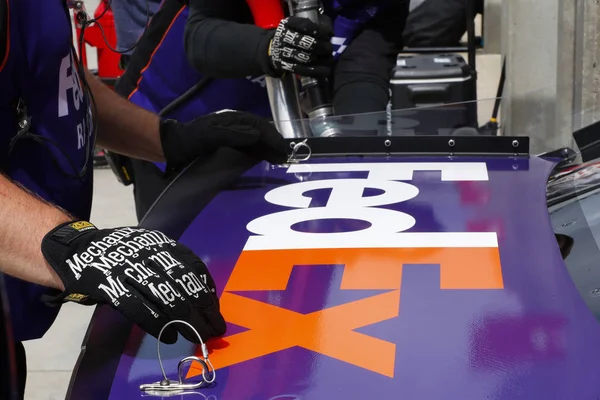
<point>267,13</point>
<point>108,60</point>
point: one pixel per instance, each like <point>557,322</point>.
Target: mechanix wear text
<point>302,47</point>
<point>148,277</point>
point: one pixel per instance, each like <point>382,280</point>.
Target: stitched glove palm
<point>302,47</point>
<point>246,132</point>
<point>148,277</point>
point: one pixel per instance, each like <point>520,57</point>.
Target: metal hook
<point>206,366</point>
<point>172,387</point>
<point>297,146</point>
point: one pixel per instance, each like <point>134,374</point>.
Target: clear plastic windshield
<point>462,118</point>
<point>550,133</point>
<point>525,116</point>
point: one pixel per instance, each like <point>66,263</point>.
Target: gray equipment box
<point>435,83</point>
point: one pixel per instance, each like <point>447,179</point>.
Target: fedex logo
<point>373,259</point>
<point>273,231</point>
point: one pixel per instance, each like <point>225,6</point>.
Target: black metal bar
<point>470,15</point>
<point>418,145</point>
<point>442,50</point>
<point>431,50</point>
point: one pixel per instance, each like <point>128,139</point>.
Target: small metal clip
<point>168,387</point>
<point>294,158</point>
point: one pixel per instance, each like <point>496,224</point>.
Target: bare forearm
<point>124,127</point>
<point>25,220</point>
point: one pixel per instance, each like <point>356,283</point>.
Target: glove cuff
<point>66,232</point>
<point>57,244</point>
<point>56,298</point>
<point>171,145</point>
<point>266,62</point>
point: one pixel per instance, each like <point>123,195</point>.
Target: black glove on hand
<point>246,132</point>
<point>302,47</point>
<point>148,277</point>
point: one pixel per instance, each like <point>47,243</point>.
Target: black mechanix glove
<point>246,132</point>
<point>302,47</point>
<point>148,277</point>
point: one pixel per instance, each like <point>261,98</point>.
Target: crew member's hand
<point>302,47</point>
<point>249,133</point>
<point>148,277</point>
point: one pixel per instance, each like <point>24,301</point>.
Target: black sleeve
<point>362,73</point>
<point>221,40</point>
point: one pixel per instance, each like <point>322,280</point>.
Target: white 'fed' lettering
<point>68,80</point>
<point>71,94</point>
<point>346,201</point>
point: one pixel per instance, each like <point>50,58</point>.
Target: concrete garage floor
<point>52,358</point>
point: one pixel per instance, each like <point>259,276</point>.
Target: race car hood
<point>385,278</point>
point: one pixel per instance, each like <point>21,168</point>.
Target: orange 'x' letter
<point>331,331</point>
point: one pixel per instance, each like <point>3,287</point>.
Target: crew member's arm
<point>362,73</point>
<point>221,41</point>
<point>25,220</point>
<point>124,127</point>
<point>127,129</point>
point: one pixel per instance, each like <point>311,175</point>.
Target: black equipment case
<point>433,80</point>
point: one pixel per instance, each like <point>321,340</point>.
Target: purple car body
<point>379,276</point>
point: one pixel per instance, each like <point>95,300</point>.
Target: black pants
<point>13,364</point>
<point>21,368</point>
<point>9,367</point>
